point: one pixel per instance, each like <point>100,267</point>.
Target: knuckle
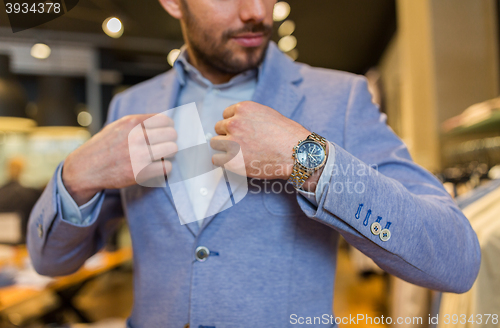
<point>135,135</point>
<point>132,120</point>
<point>232,124</point>
<point>244,106</point>
<point>239,107</point>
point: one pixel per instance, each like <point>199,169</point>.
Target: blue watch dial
<point>310,154</point>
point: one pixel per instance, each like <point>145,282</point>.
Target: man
<point>270,258</point>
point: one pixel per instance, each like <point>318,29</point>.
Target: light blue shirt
<point>211,100</point>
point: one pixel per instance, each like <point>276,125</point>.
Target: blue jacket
<point>274,254</point>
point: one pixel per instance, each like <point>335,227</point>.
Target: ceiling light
<point>287,43</point>
<point>113,27</point>
<point>281,11</point>
<point>40,51</point>
<point>84,118</point>
<point>172,56</point>
<point>286,28</point>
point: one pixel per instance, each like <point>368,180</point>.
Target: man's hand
<point>266,139</point>
<point>104,161</point>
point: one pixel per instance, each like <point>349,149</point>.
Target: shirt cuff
<point>324,179</point>
<point>70,210</point>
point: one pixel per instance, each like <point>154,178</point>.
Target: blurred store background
<point>433,67</point>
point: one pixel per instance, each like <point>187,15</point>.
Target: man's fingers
<point>232,162</point>
<point>219,143</point>
<point>221,127</point>
<point>160,135</point>
<point>154,174</point>
<point>229,111</point>
<point>158,121</point>
<point>228,147</point>
<point>163,150</point>
<point>220,159</point>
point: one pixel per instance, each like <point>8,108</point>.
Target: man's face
<point>230,36</point>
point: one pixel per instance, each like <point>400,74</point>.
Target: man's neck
<point>210,73</point>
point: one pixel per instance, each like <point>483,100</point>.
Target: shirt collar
<point>184,71</point>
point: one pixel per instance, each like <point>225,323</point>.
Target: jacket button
<point>40,230</point>
<point>375,228</point>
<point>385,235</point>
<point>186,325</point>
<point>202,253</point>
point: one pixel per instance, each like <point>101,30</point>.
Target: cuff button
<point>375,228</point>
<point>385,235</point>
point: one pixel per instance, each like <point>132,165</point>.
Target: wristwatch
<point>310,156</point>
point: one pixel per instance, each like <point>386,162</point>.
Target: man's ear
<point>173,7</point>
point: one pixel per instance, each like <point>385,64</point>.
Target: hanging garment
<point>482,208</point>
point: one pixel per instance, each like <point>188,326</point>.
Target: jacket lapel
<point>277,88</point>
<point>278,82</point>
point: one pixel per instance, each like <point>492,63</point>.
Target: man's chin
<point>235,59</point>
<point>249,56</point>
<point>243,64</point>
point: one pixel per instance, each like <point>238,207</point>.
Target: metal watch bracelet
<point>300,173</point>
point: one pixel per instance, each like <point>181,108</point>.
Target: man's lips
<point>249,39</point>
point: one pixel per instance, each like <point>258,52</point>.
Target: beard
<point>215,53</point>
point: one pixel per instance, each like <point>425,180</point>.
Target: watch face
<point>310,154</point>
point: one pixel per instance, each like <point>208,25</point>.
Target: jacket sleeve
<point>59,247</point>
<point>431,242</point>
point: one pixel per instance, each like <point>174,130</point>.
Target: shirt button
<point>40,230</point>
<point>208,136</point>
<point>202,253</point>
<point>203,191</point>
<point>385,235</point>
<point>376,228</point>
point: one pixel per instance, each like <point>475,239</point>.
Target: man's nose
<point>252,10</point>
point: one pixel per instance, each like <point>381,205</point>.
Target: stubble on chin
<point>216,52</point>
<point>225,60</point>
